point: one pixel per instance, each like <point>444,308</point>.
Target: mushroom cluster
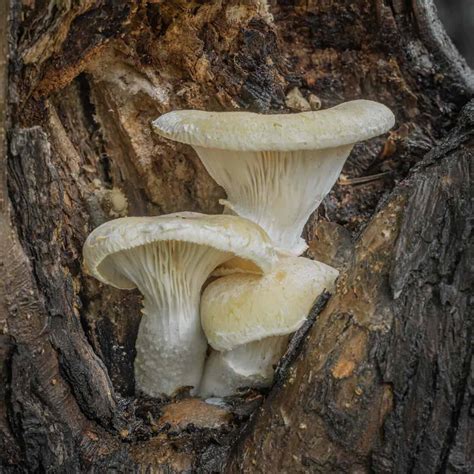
<point>276,169</point>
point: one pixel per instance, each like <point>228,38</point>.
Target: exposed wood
<point>382,380</point>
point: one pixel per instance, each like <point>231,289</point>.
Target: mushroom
<point>168,258</point>
<point>248,318</point>
<point>276,169</point>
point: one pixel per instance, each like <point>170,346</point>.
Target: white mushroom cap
<point>344,124</point>
<point>241,308</point>
<point>248,319</point>
<point>236,235</point>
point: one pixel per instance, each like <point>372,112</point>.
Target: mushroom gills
<point>250,365</point>
<point>278,190</point>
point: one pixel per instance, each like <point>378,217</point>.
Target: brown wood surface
<point>382,380</point>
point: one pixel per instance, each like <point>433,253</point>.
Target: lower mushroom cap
<point>232,234</point>
<point>241,308</point>
<point>236,265</point>
<point>248,319</point>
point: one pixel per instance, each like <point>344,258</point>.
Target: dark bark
<point>381,381</point>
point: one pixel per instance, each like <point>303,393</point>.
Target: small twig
<point>343,181</point>
<point>296,343</point>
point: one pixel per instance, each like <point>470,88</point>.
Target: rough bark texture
<point>383,379</point>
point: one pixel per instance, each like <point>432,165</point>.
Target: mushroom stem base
<point>250,365</point>
<point>171,357</point>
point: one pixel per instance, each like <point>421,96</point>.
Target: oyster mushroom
<point>276,169</point>
<point>168,258</point>
<point>248,318</point>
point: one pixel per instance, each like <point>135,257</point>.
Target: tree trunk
<point>380,377</point>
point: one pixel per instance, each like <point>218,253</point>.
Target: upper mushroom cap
<point>242,308</point>
<point>344,124</point>
<point>227,233</point>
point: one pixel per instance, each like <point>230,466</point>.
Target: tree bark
<point>379,379</point>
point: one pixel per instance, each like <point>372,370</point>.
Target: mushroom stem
<point>276,189</point>
<point>249,365</point>
<point>170,345</point>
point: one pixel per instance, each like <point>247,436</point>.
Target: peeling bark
<point>382,379</point>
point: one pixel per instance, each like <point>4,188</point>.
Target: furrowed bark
<point>382,380</point>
